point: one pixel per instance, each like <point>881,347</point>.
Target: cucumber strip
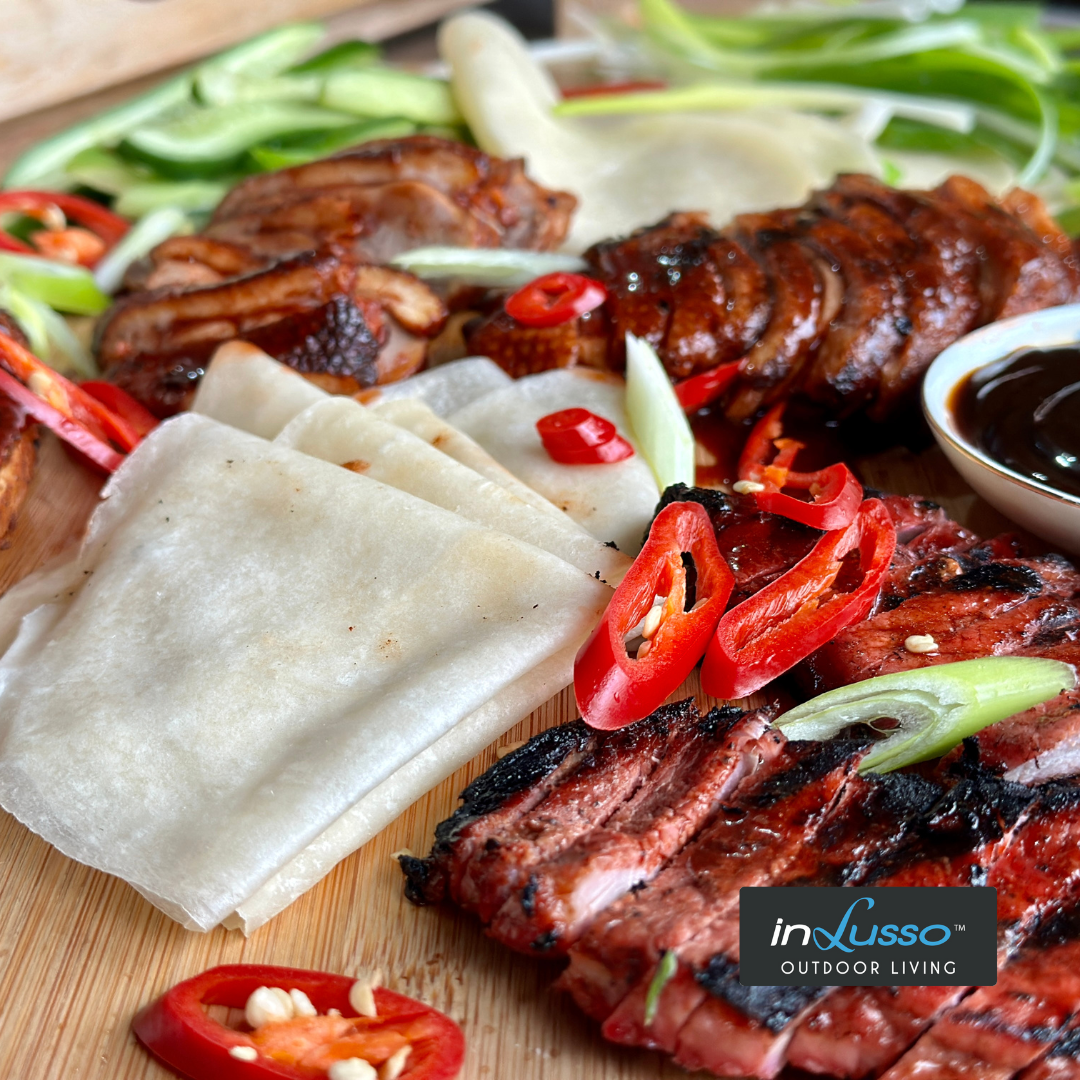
<point>207,142</point>
<point>344,56</point>
<point>60,285</point>
<point>142,238</point>
<point>192,196</point>
<point>269,53</point>
<point>933,708</point>
<point>660,426</point>
<point>43,164</point>
<point>385,92</point>
<point>219,87</point>
<point>309,149</point>
<point>104,171</point>
<point>508,267</point>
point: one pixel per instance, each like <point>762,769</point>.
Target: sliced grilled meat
<point>325,315</point>
<point>390,195</point>
<point>699,765</point>
<point>752,842</point>
<point>845,301</point>
<point>1063,1060</point>
<point>859,1031</point>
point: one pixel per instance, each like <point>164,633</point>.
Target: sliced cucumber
<point>385,92</point>
<point>505,267</point>
<point>345,56</point>
<point>219,87</point>
<point>309,148</point>
<point>104,171</point>
<point>209,142</point>
<point>267,54</point>
<point>43,164</point>
<point>190,196</point>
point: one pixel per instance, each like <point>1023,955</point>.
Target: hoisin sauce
<point>1024,412</point>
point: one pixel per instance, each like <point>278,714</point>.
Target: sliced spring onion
<point>933,708</point>
<point>387,92</point>
<point>145,235</point>
<point>50,337</point>
<point>218,87</point>
<point>659,424</point>
<point>60,285</point>
<point>344,56</point>
<point>509,267</point>
<point>955,116</point>
<point>664,972</point>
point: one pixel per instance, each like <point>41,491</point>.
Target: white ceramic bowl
<point>1043,510</point>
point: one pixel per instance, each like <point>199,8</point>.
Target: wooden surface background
<point>52,51</point>
<point>80,951</point>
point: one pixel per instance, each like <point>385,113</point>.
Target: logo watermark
<point>868,937</point>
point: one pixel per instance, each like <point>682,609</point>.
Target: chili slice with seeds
<point>555,299</point>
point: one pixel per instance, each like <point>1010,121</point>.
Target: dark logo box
<point>931,936</point>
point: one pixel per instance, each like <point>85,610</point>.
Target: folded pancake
<point>446,388</point>
<point>248,642</point>
<point>248,390</point>
<point>614,502</point>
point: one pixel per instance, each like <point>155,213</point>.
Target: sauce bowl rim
<point>1047,328</point>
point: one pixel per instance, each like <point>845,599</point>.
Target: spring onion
<point>659,424</point>
<point>191,196</point>
<point>60,285</point>
<point>155,227</point>
<point>509,267</point>
<point>933,708</point>
<point>344,56</point>
<point>50,337</point>
<point>298,150</point>
<point>665,970</point>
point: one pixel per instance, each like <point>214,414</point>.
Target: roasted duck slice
<point>347,325</point>
<point>844,301</point>
<point>390,195</point>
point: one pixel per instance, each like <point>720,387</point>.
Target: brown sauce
<point>1024,412</point>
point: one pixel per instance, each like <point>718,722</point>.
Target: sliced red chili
<point>631,86</point>
<point>103,223</point>
<point>835,492</point>
<point>786,621</point>
<point>177,1029</point>
<point>99,452</point>
<point>119,401</point>
<point>67,398</point>
<point>580,437</point>
<point>614,689</point>
<point>555,299</point>
<point>701,390</point>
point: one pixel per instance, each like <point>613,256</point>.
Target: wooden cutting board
<point>80,951</point>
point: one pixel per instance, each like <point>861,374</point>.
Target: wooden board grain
<point>81,952</point>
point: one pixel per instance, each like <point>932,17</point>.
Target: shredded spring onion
<point>933,708</point>
<point>664,972</point>
<point>508,267</point>
<point>60,285</point>
<point>659,424</point>
<point>138,241</point>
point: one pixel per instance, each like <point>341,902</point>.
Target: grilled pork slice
<point>353,325</point>
<point>704,1006</point>
<point>998,1030</point>
<point>859,1031</point>
<point>701,762</point>
<point>601,794</point>
<point>754,841</point>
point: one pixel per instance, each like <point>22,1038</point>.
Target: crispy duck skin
<point>1062,1062</point>
<point>844,301</point>
<point>390,195</point>
<point>351,325</point>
